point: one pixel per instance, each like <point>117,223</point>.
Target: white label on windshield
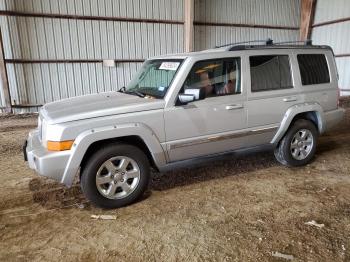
<point>169,66</point>
<point>161,88</point>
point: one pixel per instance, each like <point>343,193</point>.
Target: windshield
<point>154,77</point>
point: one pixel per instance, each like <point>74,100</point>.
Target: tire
<point>298,146</point>
<point>115,176</point>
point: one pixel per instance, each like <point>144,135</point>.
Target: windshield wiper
<point>133,92</point>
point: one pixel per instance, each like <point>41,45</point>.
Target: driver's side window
<point>215,77</point>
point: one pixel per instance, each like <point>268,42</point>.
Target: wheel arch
<point>133,140</point>
<point>136,134</point>
<point>312,116</point>
<point>309,111</point>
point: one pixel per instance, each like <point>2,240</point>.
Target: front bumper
<point>46,163</point>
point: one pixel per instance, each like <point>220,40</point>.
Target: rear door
<point>271,93</point>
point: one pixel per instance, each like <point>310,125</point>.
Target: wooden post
<point>188,30</point>
<point>3,78</point>
<point>307,17</point>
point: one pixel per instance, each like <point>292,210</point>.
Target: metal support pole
<point>188,32</point>
<point>307,17</point>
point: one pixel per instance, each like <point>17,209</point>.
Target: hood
<point>97,105</point>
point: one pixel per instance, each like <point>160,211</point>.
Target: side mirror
<point>191,94</point>
<point>198,93</point>
<point>186,98</point>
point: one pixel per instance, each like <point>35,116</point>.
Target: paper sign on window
<point>169,66</point>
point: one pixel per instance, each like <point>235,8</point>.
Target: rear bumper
<point>332,118</point>
<point>45,163</point>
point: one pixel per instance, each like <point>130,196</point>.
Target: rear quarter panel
<point>324,94</point>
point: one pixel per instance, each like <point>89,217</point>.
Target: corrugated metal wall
<point>337,35</point>
<point>43,38</point>
<point>56,38</point>
<point>254,12</point>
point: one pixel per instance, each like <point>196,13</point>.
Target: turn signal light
<point>60,145</point>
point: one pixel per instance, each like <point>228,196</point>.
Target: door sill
<point>203,160</point>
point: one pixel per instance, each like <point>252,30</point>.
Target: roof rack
<point>267,41</point>
<point>306,42</point>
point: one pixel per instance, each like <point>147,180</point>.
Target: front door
<point>214,124</point>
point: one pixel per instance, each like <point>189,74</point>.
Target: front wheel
<point>115,176</point>
<point>298,146</point>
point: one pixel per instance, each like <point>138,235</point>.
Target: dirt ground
<point>242,208</point>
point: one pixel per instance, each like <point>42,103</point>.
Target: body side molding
<point>216,138</point>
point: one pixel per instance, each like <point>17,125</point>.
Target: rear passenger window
<point>270,72</point>
<point>313,69</point>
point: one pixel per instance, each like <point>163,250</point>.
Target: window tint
<point>216,77</point>
<point>313,69</point>
<point>270,72</point>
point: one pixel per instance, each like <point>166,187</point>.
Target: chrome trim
<point>264,130</point>
<point>218,138</point>
<point>235,106</point>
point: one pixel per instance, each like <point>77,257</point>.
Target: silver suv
<point>188,106</point>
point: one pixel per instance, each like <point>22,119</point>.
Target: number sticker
<point>169,66</point>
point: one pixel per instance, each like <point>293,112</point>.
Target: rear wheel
<point>115,176</point>
<point>298,145</point>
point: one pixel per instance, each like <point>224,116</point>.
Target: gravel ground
<point>241,208</point>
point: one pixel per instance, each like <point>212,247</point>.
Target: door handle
<point>232,107</point>
<point>290,99</point>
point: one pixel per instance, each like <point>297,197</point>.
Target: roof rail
<point>267,41</point>
<point>306,42</point>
